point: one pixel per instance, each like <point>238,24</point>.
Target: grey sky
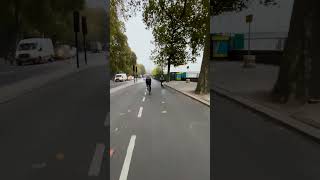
<point>265,19</point>
<point>139,40</point>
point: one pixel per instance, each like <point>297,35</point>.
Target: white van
<point>35,50</point>
<point>120,77</point>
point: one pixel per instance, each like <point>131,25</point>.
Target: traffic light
<point>76,21</point>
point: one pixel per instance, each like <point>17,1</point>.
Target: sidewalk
<point>188,89</point>
<point>252,87</point>
<point>12,91</point>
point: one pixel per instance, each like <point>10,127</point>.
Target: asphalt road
<point>160,136</point>
<point>247,145</point>
<point>56,131</point>
<point>12,73</point>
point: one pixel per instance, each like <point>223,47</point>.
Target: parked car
<point>95,47</point>
<point>130,78</point>
<point>120,77</point>
<point>64,51</point>
<point>35,50</point>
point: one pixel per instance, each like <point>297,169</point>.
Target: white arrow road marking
<point>127,160</point>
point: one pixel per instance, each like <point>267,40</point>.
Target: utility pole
<point>249,20</point>
<point>84,33</point>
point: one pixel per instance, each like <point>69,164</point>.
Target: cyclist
<point>148,82</point>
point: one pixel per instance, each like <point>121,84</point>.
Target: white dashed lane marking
<point>140,112</point>
<point>127,161</point>
<point>96,162</point>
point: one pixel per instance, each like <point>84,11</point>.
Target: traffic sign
<point>249,18</point>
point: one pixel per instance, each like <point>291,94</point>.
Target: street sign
<point>249,18</point>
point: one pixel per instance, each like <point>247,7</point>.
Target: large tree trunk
<point>299,53</point>
<point>203,81</point>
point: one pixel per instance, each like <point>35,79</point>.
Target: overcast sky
<point>139,40</point>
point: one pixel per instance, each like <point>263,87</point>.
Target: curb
<point>13,91</point>
<point>280,117</point>
<point>189,95</point>
<point>118,88</point>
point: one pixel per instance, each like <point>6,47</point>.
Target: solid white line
<point>127,160</point>
<point>140,112</point>
<point>144,98</point>
<point>95,165</point>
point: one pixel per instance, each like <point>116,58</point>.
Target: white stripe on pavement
<point>144,98</point>
<point>140,112</point>
<point>145,93</point>
<point>95,165</point>
<point>127,161</point>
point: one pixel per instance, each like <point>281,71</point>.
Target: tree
<point>156,71</point>
<point>95,23</point>
<point>141,69</point>
<point>299,68</point>
<point>176,30</point>
<point>38,17</point>
<point>122,58</point>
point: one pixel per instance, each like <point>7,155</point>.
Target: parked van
<point>120,77</point>
<point>34,50</point>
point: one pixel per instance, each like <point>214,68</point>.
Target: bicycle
<point>149,89</point>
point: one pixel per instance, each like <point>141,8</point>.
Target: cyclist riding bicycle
<point>148,83</point>
<point>161,79</point>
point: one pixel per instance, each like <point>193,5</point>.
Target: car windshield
<point>119,75</point>
<point>27,46</point>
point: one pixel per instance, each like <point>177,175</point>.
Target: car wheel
<point>19,63</point>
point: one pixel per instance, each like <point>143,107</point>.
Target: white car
<point>35,50</point>
<point>120,77</point>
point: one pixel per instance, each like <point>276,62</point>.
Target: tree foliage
<point>178,29</point>
<point>38,17</point>
<point>141,69</point>
<point>122,58</point>
<point>156,71</point>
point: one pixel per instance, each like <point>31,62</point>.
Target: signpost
<point>76,30</point>
<point>84,33</point>
<point>249,60</point>
<point>249,19</point>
